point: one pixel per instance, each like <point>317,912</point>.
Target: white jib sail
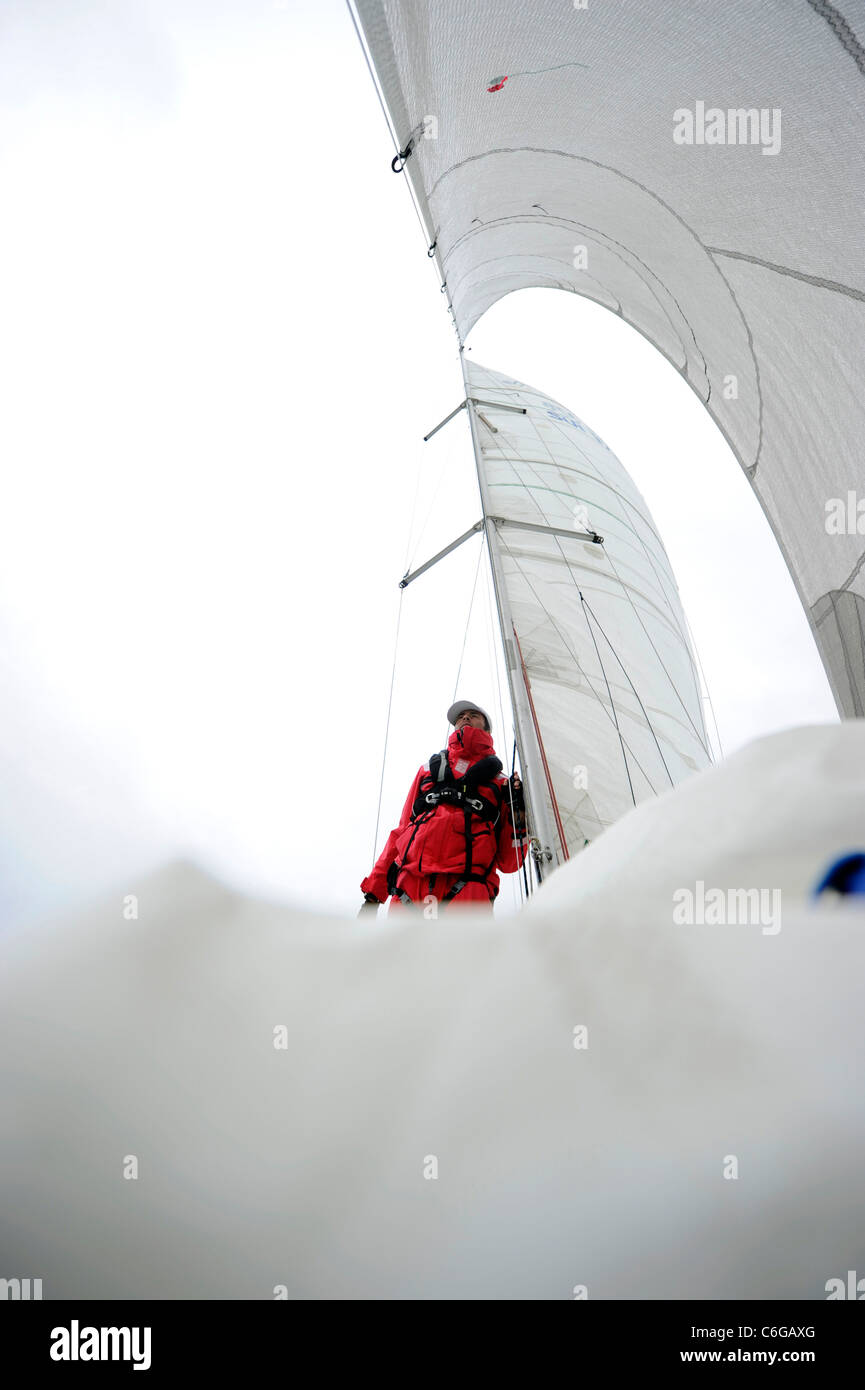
<point>600,637</point>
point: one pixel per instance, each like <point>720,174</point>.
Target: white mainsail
<point>599,640</point>
<point>696,169</point>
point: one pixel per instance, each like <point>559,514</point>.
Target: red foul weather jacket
<point>434,842</point>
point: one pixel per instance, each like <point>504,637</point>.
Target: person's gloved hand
<point>518,802</point>
<point>370,903</point>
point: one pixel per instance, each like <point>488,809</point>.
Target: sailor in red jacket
<point>462,821</point>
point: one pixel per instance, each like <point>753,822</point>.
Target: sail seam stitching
<point>841,29</point>
<point>819,280</point>
<point>853,573</point>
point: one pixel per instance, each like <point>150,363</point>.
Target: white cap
<point>460,708</point>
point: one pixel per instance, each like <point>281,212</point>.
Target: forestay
<point>696,169</point>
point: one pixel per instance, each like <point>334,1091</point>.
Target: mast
<point>546,848</point>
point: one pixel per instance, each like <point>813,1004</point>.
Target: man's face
<point>470,718</point>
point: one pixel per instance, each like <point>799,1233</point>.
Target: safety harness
<point>440,787</point>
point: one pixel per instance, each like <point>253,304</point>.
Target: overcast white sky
<point>220,347</point>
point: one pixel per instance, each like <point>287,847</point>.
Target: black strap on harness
<point>461,883</point>
<point>441,787</point>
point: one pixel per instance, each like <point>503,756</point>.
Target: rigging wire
<point>442,474</point>
<point>387,727</point>
<point>369,66</point>
<point>708,695</point>
<point>468,620</point>
<point>700,739</point>
<point>408,557</point>
<point>613,708</point>
<point>543,752</point>
<point>587,606</point>
<point>493,651</point>
<point>524,886</point>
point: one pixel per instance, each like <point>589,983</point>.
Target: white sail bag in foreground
<point>223,1097</point>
